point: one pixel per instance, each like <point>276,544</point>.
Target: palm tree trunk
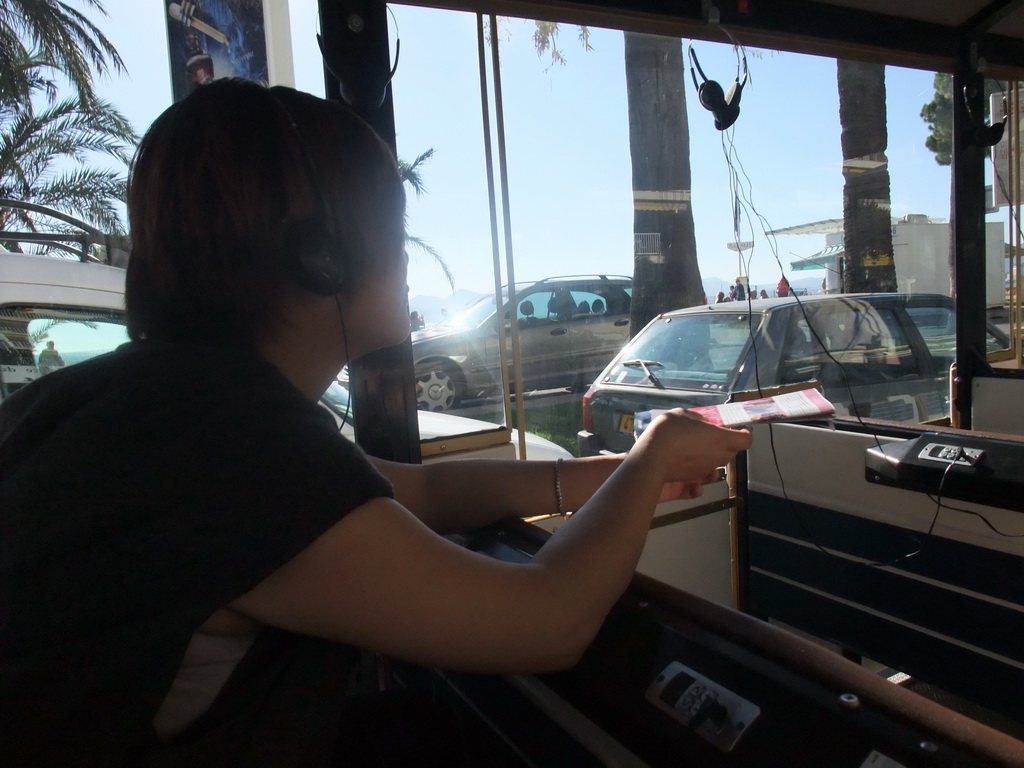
<point>867,222</point>
<point>665,271</point>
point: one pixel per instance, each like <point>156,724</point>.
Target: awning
<point>821,260</point>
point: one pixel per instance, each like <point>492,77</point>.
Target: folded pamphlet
<point>793,406</point>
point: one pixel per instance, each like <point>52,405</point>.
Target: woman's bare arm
<point>462,494</point>
<point>381,579</point>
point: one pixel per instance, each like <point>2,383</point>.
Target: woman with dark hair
<point>196,589</point>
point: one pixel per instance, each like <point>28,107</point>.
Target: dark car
<point>883,356</point>
<point>569,328</point>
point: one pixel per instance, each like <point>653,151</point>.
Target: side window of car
<point>35,341</point>
<point>584,303</point>
<point>617,299</point>
<point>532,309</point>
<point>867,341</point>
<point>937,326</point>
<point>561,306</point>
<point>801,353</point>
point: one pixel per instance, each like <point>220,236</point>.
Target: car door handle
<point>559,331</point>
<point>621,322</point>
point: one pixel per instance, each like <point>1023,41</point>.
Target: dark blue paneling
<point>995,627</point>
<point>951,667</point>
<point>981,570</point>
<point>925,606</point>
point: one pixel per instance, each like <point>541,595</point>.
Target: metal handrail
<point>89,236</point>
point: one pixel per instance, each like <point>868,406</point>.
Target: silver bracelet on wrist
<point>558,490</point>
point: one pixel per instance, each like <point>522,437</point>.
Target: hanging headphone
<point>321,262</point>
<point>724,106</point>
<point>978,133</point>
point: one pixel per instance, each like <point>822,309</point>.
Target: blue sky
<point>569,174</point>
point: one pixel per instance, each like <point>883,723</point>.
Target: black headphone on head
<point>724,106</point>
<point>321,263</point>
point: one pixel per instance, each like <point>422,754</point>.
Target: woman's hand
<point>689,450</point>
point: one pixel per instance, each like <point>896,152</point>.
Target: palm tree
<point>46,154</point>
<point>867,218</point>
<point>667,276</point>
<point>59,34</point>
<point>938,113</point>
<point>410,172</point>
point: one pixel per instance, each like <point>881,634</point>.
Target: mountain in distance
<point>434,309</point>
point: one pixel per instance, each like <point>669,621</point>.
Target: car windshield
<point>476,313</point>
<point>473,315</point>
<point>698,351</point>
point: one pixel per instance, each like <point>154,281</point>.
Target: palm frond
<point>48,155</point>
<point>428,249</point>
<point>64,35</point>
<point>39,333</point>
<point>410,173</point>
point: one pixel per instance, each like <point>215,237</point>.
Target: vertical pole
<point>968,224</point>
<point>1014,208</point>
<point>354,37</point>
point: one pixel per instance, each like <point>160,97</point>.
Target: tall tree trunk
<point>867,219</point>
<point>665,271</point>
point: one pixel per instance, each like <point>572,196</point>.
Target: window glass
<point>35,341</point>
<point>616,168</point>
<point>937,326</point>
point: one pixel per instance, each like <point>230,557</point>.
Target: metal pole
<point>968,240</point>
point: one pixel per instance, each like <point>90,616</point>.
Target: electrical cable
<point>978,515</point>
<point>741,190</point>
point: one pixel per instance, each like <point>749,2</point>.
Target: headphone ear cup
<point>726,116</point>
<point>711,95</point>
<point>987,135</point>
<point>730,109</point>
<point>320,263</point>
<point>732,98</point>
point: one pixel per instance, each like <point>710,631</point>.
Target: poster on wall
<point>210,39</point>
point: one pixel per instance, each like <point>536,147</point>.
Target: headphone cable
<point>344,341</point>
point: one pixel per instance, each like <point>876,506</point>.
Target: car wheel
<point>437,387</point>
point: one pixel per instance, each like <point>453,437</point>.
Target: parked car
<point>569,328</point>
<point>883,356</point>
<point>56,312</point>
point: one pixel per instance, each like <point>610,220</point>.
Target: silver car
<point>569,328</point>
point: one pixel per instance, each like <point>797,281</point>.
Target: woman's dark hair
<point>225,188</point>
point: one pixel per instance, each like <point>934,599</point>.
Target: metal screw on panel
<point>849,701</point>
<point>356,23</point>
